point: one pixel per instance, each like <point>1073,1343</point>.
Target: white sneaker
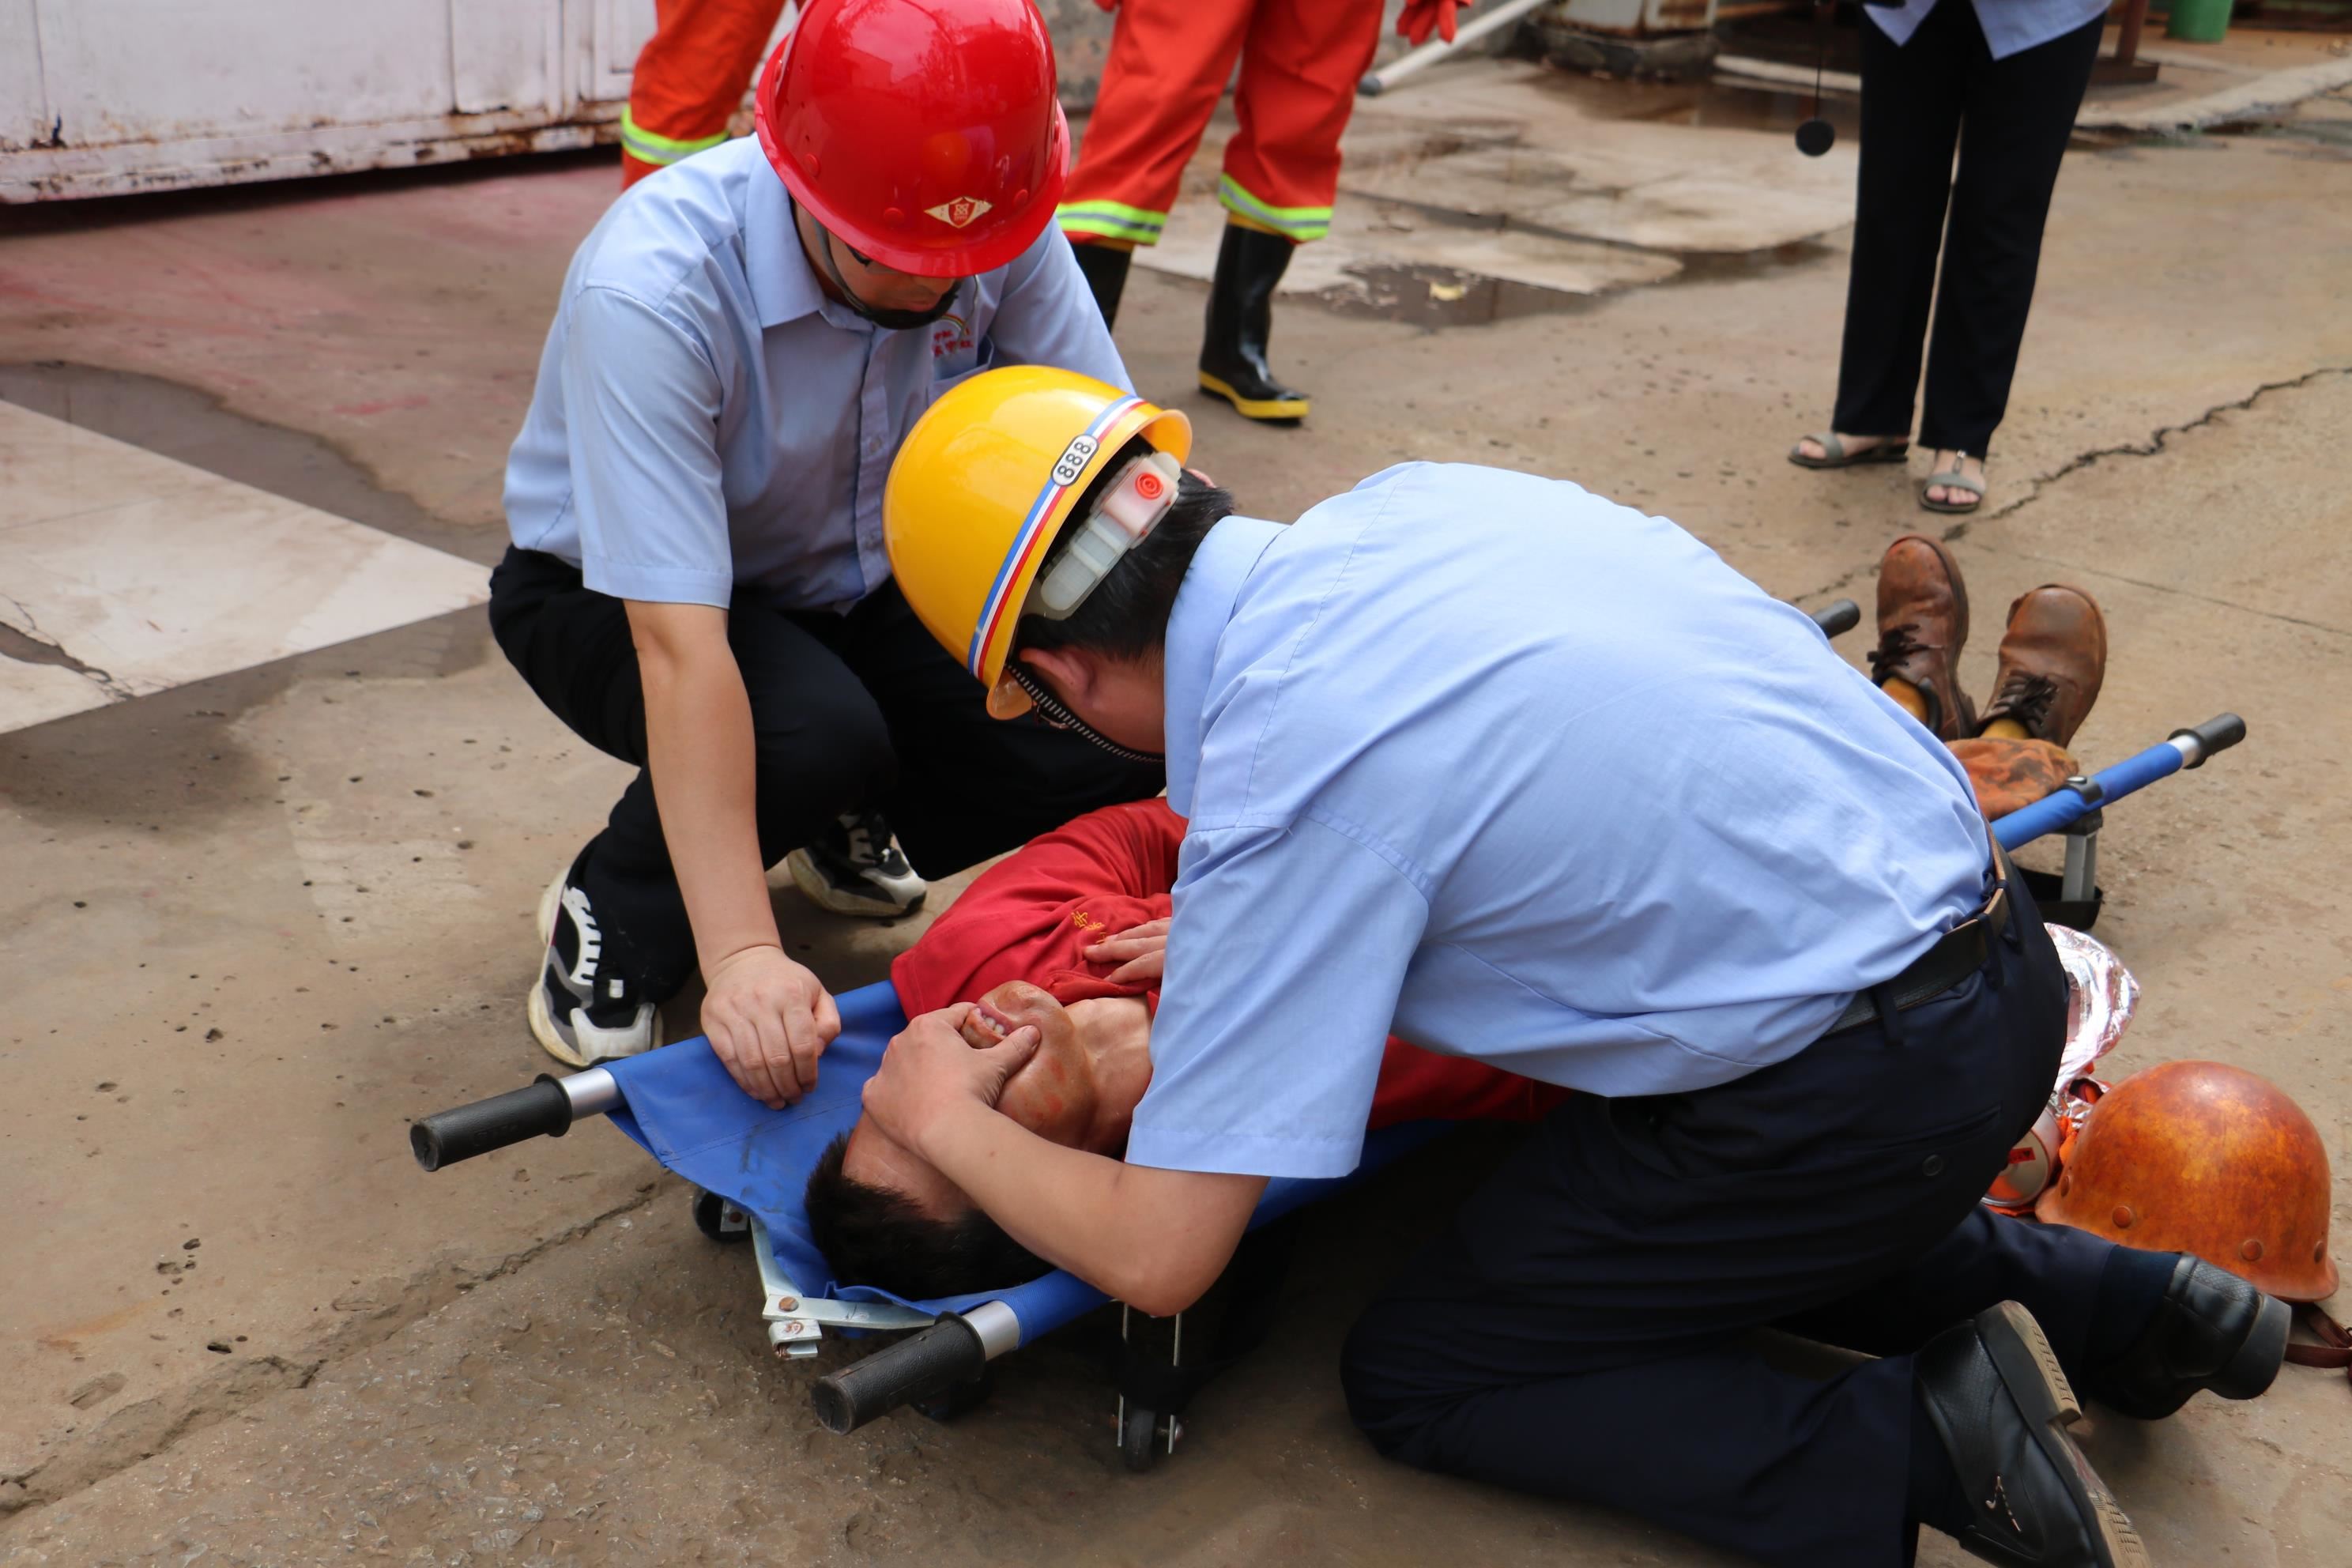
<point>579,1015</point>
<point>855,868</point>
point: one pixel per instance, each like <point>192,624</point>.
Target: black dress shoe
<point>1992,1388</point>
<point>2214,1330</point>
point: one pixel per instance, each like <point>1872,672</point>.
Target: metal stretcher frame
<point>680,1105</point>
<point>952,1342</point>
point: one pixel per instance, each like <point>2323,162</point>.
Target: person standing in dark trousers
<point>2001,80</point>
<point>698,584</point>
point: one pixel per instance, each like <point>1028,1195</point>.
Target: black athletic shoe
<point>1992,1389</point>
<point>854,868</point>
<point>579,1010</point>
<point>2213,1331</point>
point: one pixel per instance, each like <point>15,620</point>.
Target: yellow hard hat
<point>984,485</point>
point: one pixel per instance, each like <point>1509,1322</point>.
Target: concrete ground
<point>253,924</point>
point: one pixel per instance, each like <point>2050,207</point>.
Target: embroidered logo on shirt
<point>959,212</point>
<point>1085,921</point>
<point>952,334</point>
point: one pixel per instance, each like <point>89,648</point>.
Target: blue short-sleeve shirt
<point>1525,775</point>
<point>705,417</point>
<point>2011,26</point>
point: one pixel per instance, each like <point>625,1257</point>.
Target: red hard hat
<point>925,135</point>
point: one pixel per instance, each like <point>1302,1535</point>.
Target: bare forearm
<point>767,1018</point>
<point>698,740</point>
<point>1153,1239</point>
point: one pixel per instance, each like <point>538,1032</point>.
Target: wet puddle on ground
<point>1441,297</point>
<point>1434,297</point>
<point>1465,203</point>
<point>1489,211</point>
<point>1720,104</point>
<point>1722,267</point>
<point>2323,124</point>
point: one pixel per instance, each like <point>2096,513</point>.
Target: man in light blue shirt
<point>1527,775</point>
<point>1401,795</point>
<point>698,583</point>
<point>707,419</point>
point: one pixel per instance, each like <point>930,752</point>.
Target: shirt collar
<point>783,286</point>
<point>1205,605</point>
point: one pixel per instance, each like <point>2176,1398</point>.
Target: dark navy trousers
<point>1586,1327</point>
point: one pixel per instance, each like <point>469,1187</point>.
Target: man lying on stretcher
<point>1021,942</point>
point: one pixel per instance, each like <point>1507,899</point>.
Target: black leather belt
<point>1957,953</point>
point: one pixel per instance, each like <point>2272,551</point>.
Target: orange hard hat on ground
<point>927,136</point>
<point>2205,1157</point>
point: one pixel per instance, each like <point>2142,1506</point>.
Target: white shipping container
<point>103,97</point>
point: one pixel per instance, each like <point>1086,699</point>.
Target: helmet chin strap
<point>1056,713</point>
<point>888,320</point>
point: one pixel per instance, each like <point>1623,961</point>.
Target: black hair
<point>873,1235</point>
<point>1126,614</point>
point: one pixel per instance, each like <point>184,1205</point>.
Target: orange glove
<point>2011,774</point>
<point>1423,17</point>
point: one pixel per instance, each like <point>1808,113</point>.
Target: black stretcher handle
<point>2217,734</point>
<point>920,1366</point>
<point>1838,617</point>
<point>541,1110</point>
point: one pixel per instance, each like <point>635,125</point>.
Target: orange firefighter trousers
<point>1169,60</point>
<point>690,77</point>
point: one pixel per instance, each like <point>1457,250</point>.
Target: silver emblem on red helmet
<point>961,211</point>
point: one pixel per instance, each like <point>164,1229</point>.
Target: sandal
<point>1836,456</point>
<point>1953,480</point>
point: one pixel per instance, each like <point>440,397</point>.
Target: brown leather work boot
<point>2052,660</point>
<point>1923,620</point>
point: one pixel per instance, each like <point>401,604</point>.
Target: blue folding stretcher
<point>753,1164</point>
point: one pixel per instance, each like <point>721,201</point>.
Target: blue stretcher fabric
<point>686,1112</point>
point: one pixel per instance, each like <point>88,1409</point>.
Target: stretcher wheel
<point>1139,1436</point>
<point>719,1220</point>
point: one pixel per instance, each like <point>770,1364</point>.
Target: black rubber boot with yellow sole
<point>1241,313</point>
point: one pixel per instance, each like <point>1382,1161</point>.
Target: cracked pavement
<point>21,639</point>
<point>254,923</point>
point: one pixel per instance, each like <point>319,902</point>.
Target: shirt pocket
<point>958,360</point>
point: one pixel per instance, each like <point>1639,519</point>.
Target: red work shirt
<point>1033,915</point>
